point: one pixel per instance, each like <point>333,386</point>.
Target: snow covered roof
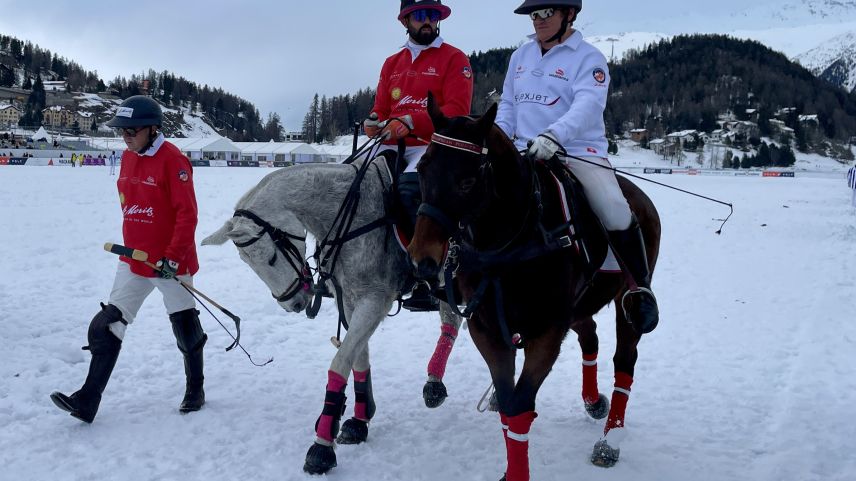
<point>9,106</point>
<point>204,144</point>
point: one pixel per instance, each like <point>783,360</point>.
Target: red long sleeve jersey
<point>404,85</point>
<point>159,208</point>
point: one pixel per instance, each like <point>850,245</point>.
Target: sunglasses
<point>131,131</point>
<point>543,13</point>
<point>425,13</point>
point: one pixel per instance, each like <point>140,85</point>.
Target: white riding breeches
<point>602,191</point>
<point>411,155</point>
<point>130,290</point>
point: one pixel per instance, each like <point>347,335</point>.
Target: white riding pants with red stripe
<point>602,191</point>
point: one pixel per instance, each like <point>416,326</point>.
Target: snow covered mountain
<point>819,34</point>
<point>834,60</point>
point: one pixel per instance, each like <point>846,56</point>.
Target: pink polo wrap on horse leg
<point>324,429</point>
<point>620,395</point>
<point>518,446</point>
<point>360,408</point>
<point>437,365</point>
<point>590,392</point>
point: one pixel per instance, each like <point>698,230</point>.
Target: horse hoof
<point>319,459</point>
<point>604,455</point>
<point>434,393</point>
<point>600,408</point>
<point>354,431</point>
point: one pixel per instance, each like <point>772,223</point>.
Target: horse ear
<point>487,120</point>
<point>437,118</point>
<point>221,236</point>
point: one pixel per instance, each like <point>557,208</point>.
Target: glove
<point>168,268</point>
<point>544,147</point>
<point>371,125</point>
<point>397,128</point>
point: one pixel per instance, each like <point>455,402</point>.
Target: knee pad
<point>189,335</point>
<point>101,339</point>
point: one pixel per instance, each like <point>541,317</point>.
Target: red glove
<point>397,128</point>
<point>371,126</point>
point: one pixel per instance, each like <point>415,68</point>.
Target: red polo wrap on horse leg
<point>620,395</point>
<point>590,392</point>
<point>324,429</point>
<point>360,407</point>
<point>504,420</point>
<point>437,365</point>
<point>518,446</point>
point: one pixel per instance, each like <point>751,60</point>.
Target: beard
<point>425,35</point>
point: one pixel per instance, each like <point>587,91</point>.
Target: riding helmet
<point>408,6</point>
<point>529,6</point>
<point>137,111</point>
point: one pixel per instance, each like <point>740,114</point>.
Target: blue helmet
<point>137,111</point>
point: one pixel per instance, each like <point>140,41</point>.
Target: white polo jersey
<point>564,91</point>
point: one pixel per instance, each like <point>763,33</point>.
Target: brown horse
<point>524,279</point>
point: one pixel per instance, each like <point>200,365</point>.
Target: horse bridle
<point>283,242</point>
<point>437,214</point>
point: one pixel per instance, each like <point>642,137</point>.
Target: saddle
<point>585,230</point>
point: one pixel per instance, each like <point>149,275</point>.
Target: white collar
<point>416,49</point>
<point>155,146</point>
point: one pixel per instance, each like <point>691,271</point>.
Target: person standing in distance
<point>159,210</point>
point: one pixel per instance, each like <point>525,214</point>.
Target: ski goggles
<point>425,13</point>
<point>543,13</point>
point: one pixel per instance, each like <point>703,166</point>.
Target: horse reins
<point>283,242</point>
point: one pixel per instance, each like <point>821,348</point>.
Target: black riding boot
<point>104,346</point>
<point>410,196</point>
<point>639,303</point>
<point>190,339</point>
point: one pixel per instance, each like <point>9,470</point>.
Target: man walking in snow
<point>159,217</point>
<point>113,163</point>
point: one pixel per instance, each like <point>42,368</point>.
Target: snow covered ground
<point>750,375</point>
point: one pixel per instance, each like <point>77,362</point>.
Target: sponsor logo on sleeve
<point>599,75</point>
<point>182,176</point>
<point>468,72</point>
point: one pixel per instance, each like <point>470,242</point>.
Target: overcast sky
<point>276,54</point>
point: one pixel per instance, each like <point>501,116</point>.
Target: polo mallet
<point>143,256</point>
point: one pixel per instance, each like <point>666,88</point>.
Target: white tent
<point>42,134</point>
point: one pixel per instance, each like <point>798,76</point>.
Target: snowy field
<point>750,375</point>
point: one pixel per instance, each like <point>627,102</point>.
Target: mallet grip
<point>121,250</point>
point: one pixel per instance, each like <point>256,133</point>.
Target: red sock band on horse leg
<point>620,396</point>
<point>360,411</point>
<point>324,430</point>
<point>437,364</point>
<point>504,420</point>
<point>590,392</point>
<point>518,446</point>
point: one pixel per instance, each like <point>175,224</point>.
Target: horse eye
<point>467,184</point>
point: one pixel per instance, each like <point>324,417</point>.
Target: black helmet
<point>408,6</point>
<point>137,111</point>
<point>529,6</point>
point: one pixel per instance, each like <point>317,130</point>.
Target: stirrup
<point>643,329</point>
<point>421,300</point>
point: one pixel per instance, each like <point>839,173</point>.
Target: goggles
<point>543,13</point>
<point>425,13</point>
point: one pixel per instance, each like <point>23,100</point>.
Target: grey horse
<point>372,269</point>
